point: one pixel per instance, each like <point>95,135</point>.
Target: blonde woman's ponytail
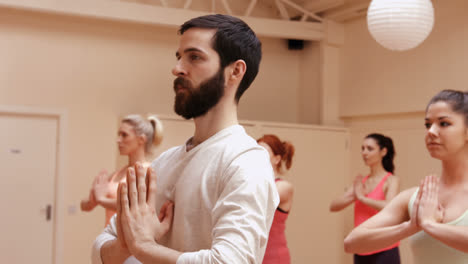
<point>158,129</point>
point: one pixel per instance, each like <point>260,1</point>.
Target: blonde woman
<point>137,136</point>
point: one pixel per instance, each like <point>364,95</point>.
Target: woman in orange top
<point>370,194</point>
<point>277,251</point>
<point>136,138</point>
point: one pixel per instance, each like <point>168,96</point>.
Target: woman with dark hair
<point>281,153</point>
<point>372,193</point>
<point>137,136</point>
<point>435,214</point>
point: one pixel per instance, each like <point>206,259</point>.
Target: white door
<point>28,148</point>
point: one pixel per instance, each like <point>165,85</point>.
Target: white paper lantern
<point>400,24</point>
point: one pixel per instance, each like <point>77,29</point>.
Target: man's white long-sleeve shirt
<point>224,195</point>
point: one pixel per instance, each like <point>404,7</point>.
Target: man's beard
<point>193,102</point>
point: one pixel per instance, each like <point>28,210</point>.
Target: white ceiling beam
<point>286,29</point>
<point>250,7</point>
<point>162,16</point>
<point>187,4</point>
<point>322,5</point>
<point>352,9</point>
<point>226,7</point>
<point>282,9</point>
<point>301,9</point>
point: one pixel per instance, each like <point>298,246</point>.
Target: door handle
<point>48,212</point>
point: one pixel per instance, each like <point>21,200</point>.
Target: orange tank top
<point>362,212</point>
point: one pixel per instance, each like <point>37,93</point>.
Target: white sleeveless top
<point>427,250</point>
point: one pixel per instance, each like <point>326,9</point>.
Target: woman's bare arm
<point>387,227</point>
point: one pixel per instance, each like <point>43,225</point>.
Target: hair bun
<point>157,129</point>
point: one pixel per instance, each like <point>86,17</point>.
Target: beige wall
<point>97,71</point>
<point>376,81</point>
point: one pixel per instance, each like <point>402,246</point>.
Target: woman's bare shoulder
<point>405,195</point>
<point>285,185</point>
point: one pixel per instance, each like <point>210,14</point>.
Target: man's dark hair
<point>233,40</point>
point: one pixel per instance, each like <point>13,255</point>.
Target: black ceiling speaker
<point>295,44</point>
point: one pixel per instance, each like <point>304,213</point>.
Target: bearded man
<point>215,194</point>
